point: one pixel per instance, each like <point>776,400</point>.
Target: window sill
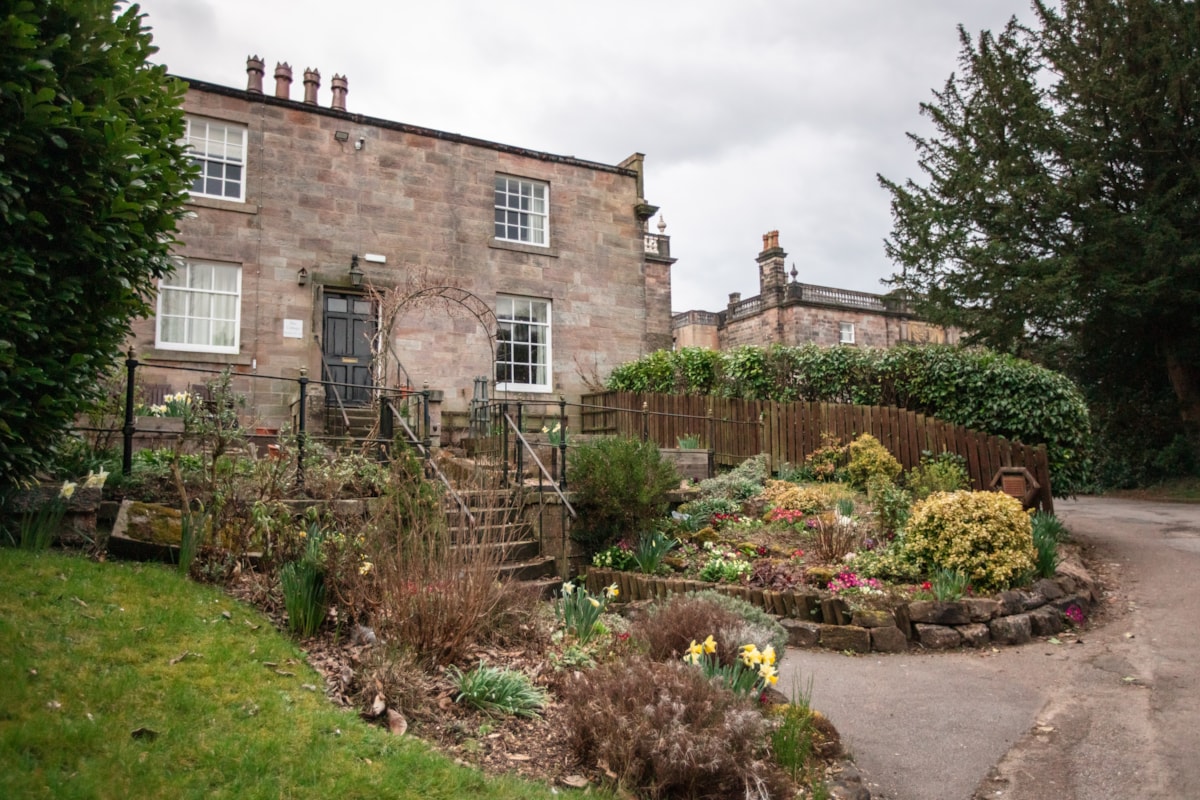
<point>155,354</point>
<point>223,205</point>
<point>522,389</point>
<point>517,247</point>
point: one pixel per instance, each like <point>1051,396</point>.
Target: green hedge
<point>973,387</point>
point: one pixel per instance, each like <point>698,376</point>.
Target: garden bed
<point>816,619</point>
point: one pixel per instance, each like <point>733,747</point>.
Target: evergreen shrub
<point>986,536</point>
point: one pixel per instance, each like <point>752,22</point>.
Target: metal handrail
<point>541,467</point>
<point>327,380</point>
<point>399,365</point>
<point>411,436</point>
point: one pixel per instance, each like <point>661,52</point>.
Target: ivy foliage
<point>977,388</point>
<point>92,181</point>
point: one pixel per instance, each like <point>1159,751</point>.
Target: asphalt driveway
<point>1115,714</point>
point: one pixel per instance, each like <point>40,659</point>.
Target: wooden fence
<point>737,429</point>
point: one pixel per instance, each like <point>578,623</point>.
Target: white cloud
<point>754,115</point>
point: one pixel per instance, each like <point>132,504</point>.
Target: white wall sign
<point>293,329</point>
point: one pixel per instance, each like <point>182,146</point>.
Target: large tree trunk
<point>1185,380</point>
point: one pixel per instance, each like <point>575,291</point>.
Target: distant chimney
<point>735,298</point>
<point>772,273</point>
<point>283,80</point>
<point>254,74</point>
<point>340,86</point>
<point>312,82</point>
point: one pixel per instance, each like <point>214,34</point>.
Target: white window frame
<point>845,333</point>
<point>521,211</point>
<point>179,287</point>
<point>219,147</point>
<point>514,312</point>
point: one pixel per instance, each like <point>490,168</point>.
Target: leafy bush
<point>94,178</point>
<point>890,563</point>
<point>945,472</point>
<point>869,458</point>
<point>724,567</point>
<point>826,462</point>
<point>616,556</point>
<point>665,730</point>
<point>740,483</point>
<point>704,508</point>
<point>891,503</point>
<point>974,387</point>
<point>620,486</point>
<point>790,497</point>
<point>987,536</point>
<point>497,691</point>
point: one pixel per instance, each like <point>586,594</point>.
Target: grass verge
<point>126,680</point>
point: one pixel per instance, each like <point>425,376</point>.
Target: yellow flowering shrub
<point>792,497</point>
<point>986,536</point>
<point>869,458</point>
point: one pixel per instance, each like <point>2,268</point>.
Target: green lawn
<point>125,680</point>
<point>1179,490</point>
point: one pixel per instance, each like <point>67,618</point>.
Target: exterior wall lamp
<point>341,136</point>
<point>356,274</point>
<point>302,277</point>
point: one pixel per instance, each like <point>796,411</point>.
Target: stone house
<point>792,313</point>
<point>530,270</point>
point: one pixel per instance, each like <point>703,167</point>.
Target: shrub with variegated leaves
<point>986,536</point>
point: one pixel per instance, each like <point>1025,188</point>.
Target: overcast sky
<point>754,115</point>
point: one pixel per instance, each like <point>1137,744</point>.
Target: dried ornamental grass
<point>665,730</point>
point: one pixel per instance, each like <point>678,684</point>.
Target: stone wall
<point>815,619</point>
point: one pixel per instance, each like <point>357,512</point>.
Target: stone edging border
<point>815,620</point>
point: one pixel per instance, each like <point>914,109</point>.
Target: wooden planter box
<point>695,465</point>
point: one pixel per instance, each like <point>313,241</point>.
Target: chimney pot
<point>340,85</point>
<point>283,80</point>
<point>254,74</point>
<point>312,82</point>
<point>735,298</point>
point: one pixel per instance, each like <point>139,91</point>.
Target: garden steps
<point>500,524</point>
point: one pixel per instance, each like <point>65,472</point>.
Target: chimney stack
<point>340,86</point>
<point>283,80</point>
<point>254,74</point>
<point>312,82</point>
<point>772,274</point>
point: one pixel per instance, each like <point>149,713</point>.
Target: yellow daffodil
<point>365,568</point>
<point>95,480</point>
<point>567,588</point>
<point>68,489</point>
<point>750,655</point>
<point>710,645</point>
<point>768,655</point>
<point>695,649</point>
<point>595,603</point>
<point>768,674</point>
<point>611,590</point>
